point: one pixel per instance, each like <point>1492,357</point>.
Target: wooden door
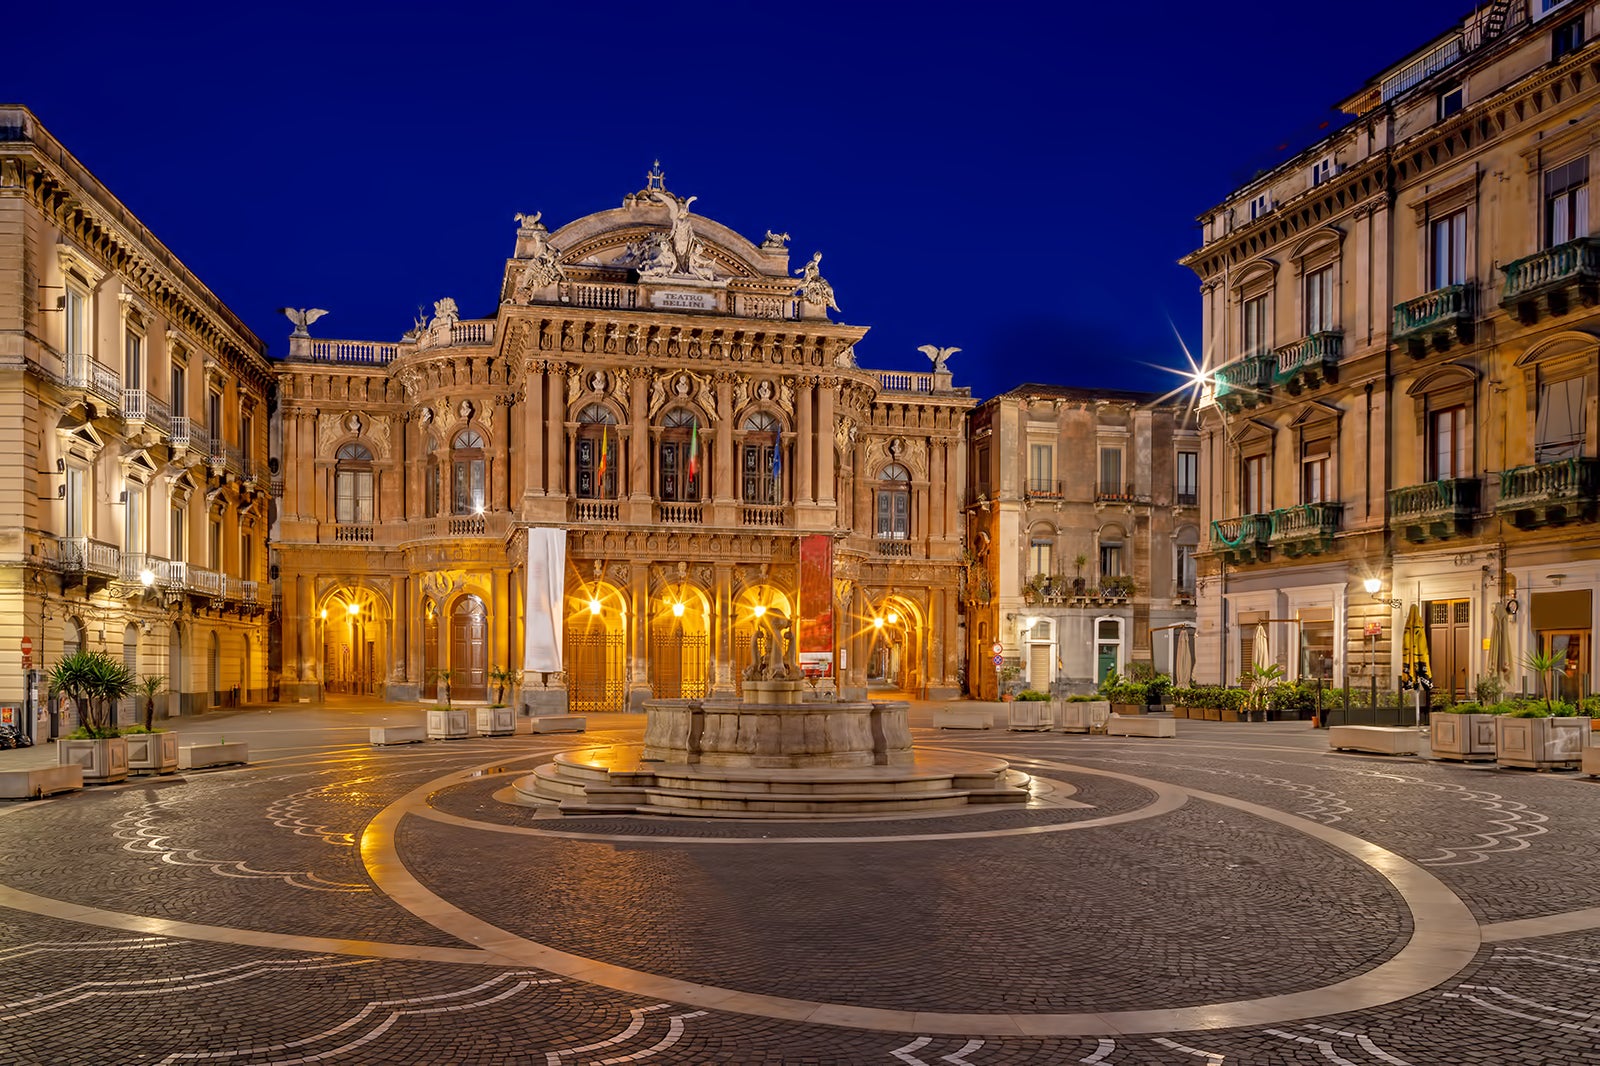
<point>469,650</point>
<point>1450,646</point>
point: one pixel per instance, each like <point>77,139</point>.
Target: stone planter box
<point>1084,716</point>
<point>497,721</point>
<point>1462,737</point>
<point>200,756</point>
<point>1028,715</point>
<point>1539,743</point>
<point>558,723</point>
<point>152,753</point>
<point>383,735</point>
<point>1591,761</point>
<point>40,782</point>
<point>962,718</point>
<point>1143,725</point>
<point>104,762</point>
<point>448,725</point>
<point>1384,740</point>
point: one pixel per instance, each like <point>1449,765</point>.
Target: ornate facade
<point>675,399</point>
<point>135,411</point>
<point>1402,346</point>
<point>1079,569</point>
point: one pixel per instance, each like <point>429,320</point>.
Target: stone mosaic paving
<point>1203,904</point>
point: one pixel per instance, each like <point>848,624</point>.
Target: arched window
<point>430,489</point>
<point>679,457</point>
<point>467,482</point>
<point>894,503</point>
<point>761,459</point>
<point>597,452</point>
<point>72,638</point>
<point>352,480</point>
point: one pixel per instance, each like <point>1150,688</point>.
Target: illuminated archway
<point>749,636</point>
<point>596,641</point>
<point>680,643</point>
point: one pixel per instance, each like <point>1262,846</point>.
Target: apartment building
<point>652,439</point>
<point>1084,525</point>
<point>134,407</point>
<point>1401,343</point>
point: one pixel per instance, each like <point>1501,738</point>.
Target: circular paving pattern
<point>1217,897</point>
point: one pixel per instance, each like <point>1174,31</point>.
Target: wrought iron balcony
<point>1549,493</point>
<point>1435,510</point>
<point>203,582</point>
<point>89,558</point>
<point>227,458</point>
<point>1307,528</point>
<point>1244,539</point>
<point>1118,492</point>
<point>141,409</point>
<point>1043,489</point>
<point>92,376</point>
<point>1553,280</point>
<point>1309,362</point>
<point>1436,319</point>
<point>135,565</point>
<point>186,433</point>
<point>1243,382</point>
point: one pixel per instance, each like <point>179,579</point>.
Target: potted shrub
<point>1260,683</point>
<point>1008,678</point>
<point>1462,732</point>
<point>1083,714</point>
<point>1129,697</point>
<point>1178,702</point>
<point>1232,701</point>
<point>1030,711</point>
<point>444,721</point>
<point>94,681</point>
<point>1546,734</point>
<point>151,750</point>
<point>1080,587</point>
<point>498,720</point>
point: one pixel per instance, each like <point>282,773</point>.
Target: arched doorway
<point>469,649</point>
<point>680,664</point>
<point>596,649</point>
<point>895,658</point>
<point>430,650</point>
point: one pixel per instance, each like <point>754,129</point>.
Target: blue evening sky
<point>1017,180</point>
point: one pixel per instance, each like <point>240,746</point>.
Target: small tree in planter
<point>1079,586</point>
<point>503,677</point>
<point>440,676</point>
<point>151,686</point>
<point>94,681</point>
<point>1009,675</point>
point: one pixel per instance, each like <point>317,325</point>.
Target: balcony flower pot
<point>104,759</point>
<point>155,752</point>
<point>1539,743</point>
<point>1462,736</point>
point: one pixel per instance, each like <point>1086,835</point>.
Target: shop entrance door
<point>1573,645</point>
<point>1450,646</point>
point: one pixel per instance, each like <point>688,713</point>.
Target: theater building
<point>668,407</point>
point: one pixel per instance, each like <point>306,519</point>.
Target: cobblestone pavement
<point>1236,895</point>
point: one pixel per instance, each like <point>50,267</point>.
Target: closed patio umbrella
<point>1261,654</point>
<point>1183,658</point>
<point>1414,673</point>
<point>1499,643</point>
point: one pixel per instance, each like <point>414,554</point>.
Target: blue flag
<point>777,455</point>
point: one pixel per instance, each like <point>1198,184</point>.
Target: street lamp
<point>1372,585</point>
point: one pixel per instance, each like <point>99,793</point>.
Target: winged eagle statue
<point>938,356</point>
<point>302,317</point>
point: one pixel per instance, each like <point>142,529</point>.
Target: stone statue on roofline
<point>302,317</point>
<point>939,357</point>
<point>814,288</point>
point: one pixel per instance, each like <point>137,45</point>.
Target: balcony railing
<point>227,458</point>
<point>681,514</point>
<point>466,525</point>
<point>1549,493</point>
<point>893,548</point>
<point>187,433</point>
<point>204,582</point>
<point>1118,492</point>
<point>900,381</point>
<point>1435,510</point>
<point>604,297</point>
<point>1242,539</point>
<point>250,592</point>
<point>82,555</point>
<point>1044,489</point>
<point>361,353</point>
<point>353,533</point>
<point>1420,70</point>
<point>760,514</point>
<point>472,332</point>
<point>142,408</point>
<point>136,564</point>
<point>596,511</point>
<point>277,487</point>
<point>1186,499</point>
<point>1307,528</point>
<point>177,575</point>
<point>1440,317</point>
<point>1307,362</point>
<point>87,373</point>
<point>1553,278</point>
<point>1243,382</point>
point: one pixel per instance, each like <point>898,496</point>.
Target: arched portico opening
<point>749,636</point>
<point>896,659</point>
<point>353,626</point>
<point>596,647</point>
<point>680,644</point>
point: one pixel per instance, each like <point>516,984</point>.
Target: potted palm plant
<point>444,721</point>
<point>1462,732</point>
<point>94,681</point>
<point>498,720</point>
<point>151,750</point>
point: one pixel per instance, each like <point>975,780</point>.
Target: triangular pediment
<point>1316,411</point>
<point>81,438</point>
<point>1252,429</point>
<point>138,465</point>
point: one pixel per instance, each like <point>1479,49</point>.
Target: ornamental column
<point>825,435</point>
<point>723,469</point>
<point>555,429</point>
<point>533,418</point>
<point>638,435</point>
<point>804,397</point>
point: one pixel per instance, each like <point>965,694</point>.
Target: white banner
<point>542,609</point>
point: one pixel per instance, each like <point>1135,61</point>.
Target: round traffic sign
<point>27,645</point>
<point>997,647</point>
<point>998,659</point>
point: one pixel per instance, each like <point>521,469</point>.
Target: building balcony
<point>1043,489</point>
<point>137,566</point>
<point>1436,320</point>
<point>892,548</point>
<point>141,410</point>
<point>680,514</point>
<point>1309,362</point>
<point>1118,493</point>
<point>763,514</point>
<point>1549,493</point>
<point>596,511</point>
<point>353,533</point>
<point>1244,539</point>
<point>227,459</point>
<point>1306,529</point>
<point>200,582</point>
<point>89,375</point>
<point>1551,281</point>
<point>187,434</point>
<point>87,561</point>
<point>1435,510</point>
<point>1244,382</point>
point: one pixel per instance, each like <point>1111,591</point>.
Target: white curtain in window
<point>1558,433</point>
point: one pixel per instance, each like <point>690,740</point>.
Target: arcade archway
<point>596,648</point>
<point>680,644</point>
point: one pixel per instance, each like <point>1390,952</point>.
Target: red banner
<point>816,601</point>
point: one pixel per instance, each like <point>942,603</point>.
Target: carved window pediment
<point>74,260</point>
<point>82,440</point>
<point>180,487</point>
<point>138,466</point>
